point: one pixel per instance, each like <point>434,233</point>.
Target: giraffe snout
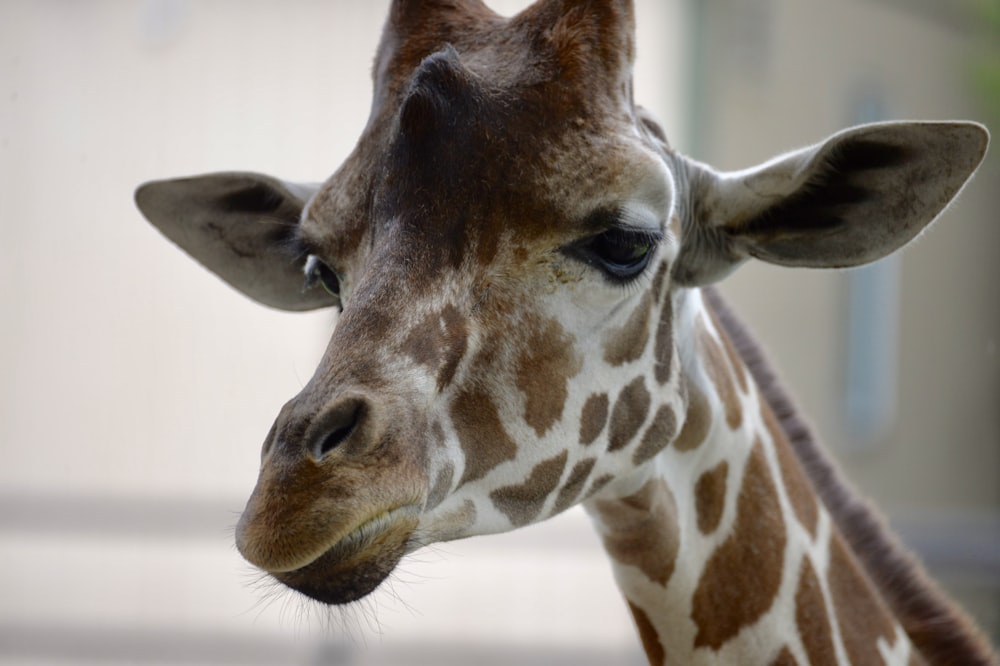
<point>341,486</point>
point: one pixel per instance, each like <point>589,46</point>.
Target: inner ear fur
<point>855,198</point>
<point>241,226</point>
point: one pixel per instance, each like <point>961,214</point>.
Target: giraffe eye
<point>622,254</point>
<point>319,273</point>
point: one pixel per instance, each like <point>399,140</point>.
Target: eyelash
<point>621,253</point>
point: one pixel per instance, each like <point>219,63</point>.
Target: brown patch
<point>862,616</point>
<point>544,368</point>
<point>784,658</point>
<point>419,343</point>
<point>484,440</point>
<point>641,530</point>
<point>658,435</point>
<point>574,484</point>
<point>812,620</point>
<point>441,486</point>
<point>800,492</point>
<point>627,343</point>
<point>663,348</point>
<point>731,353</point>
<point>647,633</point>
<point>719,371</point>
<point>657,286</point>
<point>593,417</point>
<point>439,341</point>
<point>677,227</point>
<point>741,579</point>
<point>522,503</point>
<point>710,497</point>
<point>696,423</point>
<point>438,434</point>
<point>628,414</point>
<point>599,484</point>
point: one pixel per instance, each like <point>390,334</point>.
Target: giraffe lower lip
<point>356,564</point>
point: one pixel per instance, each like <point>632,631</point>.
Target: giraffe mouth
<point>357,563</point>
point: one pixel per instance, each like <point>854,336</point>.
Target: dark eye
<point>622,254</point>
<point>319,273</point>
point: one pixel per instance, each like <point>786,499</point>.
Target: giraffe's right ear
<point>241,226</point>
<point>854,198</point>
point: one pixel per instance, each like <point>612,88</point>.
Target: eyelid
<point>313,270</point>
<point>309,271</point>
<point>641,218</point>
<point>632,217</point>
<point>641,234</point>
<point>653,236</point>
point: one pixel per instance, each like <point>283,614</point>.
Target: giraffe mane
<point>937,627</point>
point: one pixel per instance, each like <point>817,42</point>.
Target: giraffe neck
<point>720,545</point>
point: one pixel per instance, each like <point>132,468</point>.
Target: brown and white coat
<point>520,259</point>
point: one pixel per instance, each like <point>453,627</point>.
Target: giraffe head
<point>506,244</point>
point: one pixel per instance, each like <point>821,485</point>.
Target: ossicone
<point>440,90</point>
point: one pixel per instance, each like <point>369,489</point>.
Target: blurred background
<point>137,388</point>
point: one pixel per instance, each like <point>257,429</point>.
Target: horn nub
<point>440,86</point>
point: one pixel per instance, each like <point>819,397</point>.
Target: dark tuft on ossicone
<point>440,90</point>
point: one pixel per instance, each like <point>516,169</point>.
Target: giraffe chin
<point>355,565</point>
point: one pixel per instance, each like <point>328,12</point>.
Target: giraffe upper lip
<point>359,537</point>
<point>365,532</point>
<point>357,563</point>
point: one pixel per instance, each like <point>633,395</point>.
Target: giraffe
<point>523,271</point>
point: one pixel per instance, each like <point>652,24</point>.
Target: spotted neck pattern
<point>724,553</point>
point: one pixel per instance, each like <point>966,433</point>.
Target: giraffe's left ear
<point>854,198</point>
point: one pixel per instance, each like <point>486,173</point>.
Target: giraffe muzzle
<point>358,563</point>
<point>338,498</point>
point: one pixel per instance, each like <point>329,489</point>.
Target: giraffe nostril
<point>337,425</point>
<point>335,439</point>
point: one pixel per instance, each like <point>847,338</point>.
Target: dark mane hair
<point>939,630</point>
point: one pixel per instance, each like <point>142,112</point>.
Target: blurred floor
<point>119,581</point>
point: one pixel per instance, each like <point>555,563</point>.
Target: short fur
<point>938,629</point>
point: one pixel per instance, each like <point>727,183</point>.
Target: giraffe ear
<point>854,198</point>
<point>241,227</point>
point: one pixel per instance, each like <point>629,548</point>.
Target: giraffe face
<point>510,243</point>
<point>500,248</point>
